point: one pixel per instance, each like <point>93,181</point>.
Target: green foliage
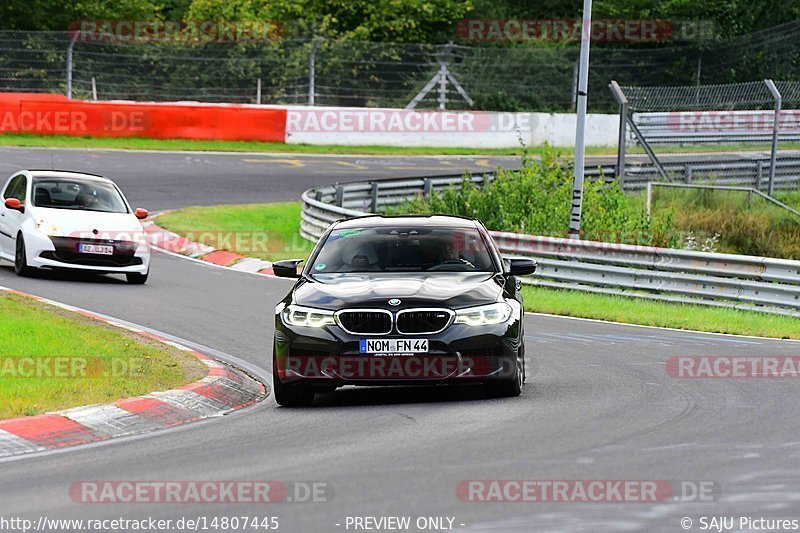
<point>407,21</point>
<point>536,200</point>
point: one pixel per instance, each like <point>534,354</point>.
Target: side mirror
<point>141,214</point>
<point>521,266</point>
<point>15,204</point>
<point>287,268</point>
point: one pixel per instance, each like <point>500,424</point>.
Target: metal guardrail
<point>744,282</point>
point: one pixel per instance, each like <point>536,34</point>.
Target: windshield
<point>77,194</point>
<point>404,249</point>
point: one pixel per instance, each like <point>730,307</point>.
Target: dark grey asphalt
<point>163,180</point>
<point>599,406</point>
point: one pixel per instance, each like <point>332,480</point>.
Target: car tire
<point>290,394</point>
<point>506,388</point>
<point>134,278</point>
<point>21,258</point>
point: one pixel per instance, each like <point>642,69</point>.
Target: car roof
<point>67,174</point>
<point>449,221</point>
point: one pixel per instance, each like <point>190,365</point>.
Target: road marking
<point>291,162</point>
<point>352,165</point>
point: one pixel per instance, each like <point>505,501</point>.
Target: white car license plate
<point>394,346</point>
<point>99,249</point>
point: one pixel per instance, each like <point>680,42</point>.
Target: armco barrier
<point>745,282</point>
<point>56,115</point>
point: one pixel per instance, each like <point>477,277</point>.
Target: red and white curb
<point>224,389</point>
<point>172,242</point>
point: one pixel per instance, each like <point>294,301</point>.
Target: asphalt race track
<point>600,406</point>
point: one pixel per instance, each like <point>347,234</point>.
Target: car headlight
<point>484,315</point>
<point>295,315</point>
<point>47,228</point>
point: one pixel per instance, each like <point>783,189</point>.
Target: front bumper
<point>62,253</point>
<point>330,357</point>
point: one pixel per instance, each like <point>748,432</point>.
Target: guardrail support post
<point>775,128</point>
<point>339,195</point>
<point>687,173</point>
<point>374,197</point>
<point>427,186</point>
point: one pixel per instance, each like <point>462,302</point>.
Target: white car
<point>68,220</point>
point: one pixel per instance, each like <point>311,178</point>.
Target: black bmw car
<point>400,300</point>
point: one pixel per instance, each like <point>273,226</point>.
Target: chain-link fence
<point>349,73</point>
<point>763,114</point>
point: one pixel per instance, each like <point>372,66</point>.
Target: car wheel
<point>21,259</point>
<point>290,394</point>
<point>509,388</point>
<point>135,278</point>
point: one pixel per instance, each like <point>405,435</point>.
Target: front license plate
<point>394,346</point>
<point>99,249</point>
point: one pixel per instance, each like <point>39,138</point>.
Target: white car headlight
<point>484,314</point>
<point>295,315</point>
<point>43,226</point>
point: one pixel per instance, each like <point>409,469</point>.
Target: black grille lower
<point>367,322</point>
<point>429,321</point>
<point>67,252</point>
<point>88,260</point>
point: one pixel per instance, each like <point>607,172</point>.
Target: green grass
<point>663,314</point>
<point>136,143</point>
<point>36,330</point>
<point>734,221</point>
<point>267,231</point>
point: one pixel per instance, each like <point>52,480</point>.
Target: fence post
<point>687,173</point>
<point>775,127</point>
<point>622,100</point>
<point>312,58</point>
<point>94,89</point>
<point>69,63</point>
<point>258,91</point>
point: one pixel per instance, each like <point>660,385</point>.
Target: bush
<point>537,200</point>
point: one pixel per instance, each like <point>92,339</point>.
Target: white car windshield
<point>77,194</point>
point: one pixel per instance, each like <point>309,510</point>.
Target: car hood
<point>448,289</point>
<point>74,223</point>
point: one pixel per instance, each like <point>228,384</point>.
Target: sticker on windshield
<point>321,266</point>
<point>346,233</point>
